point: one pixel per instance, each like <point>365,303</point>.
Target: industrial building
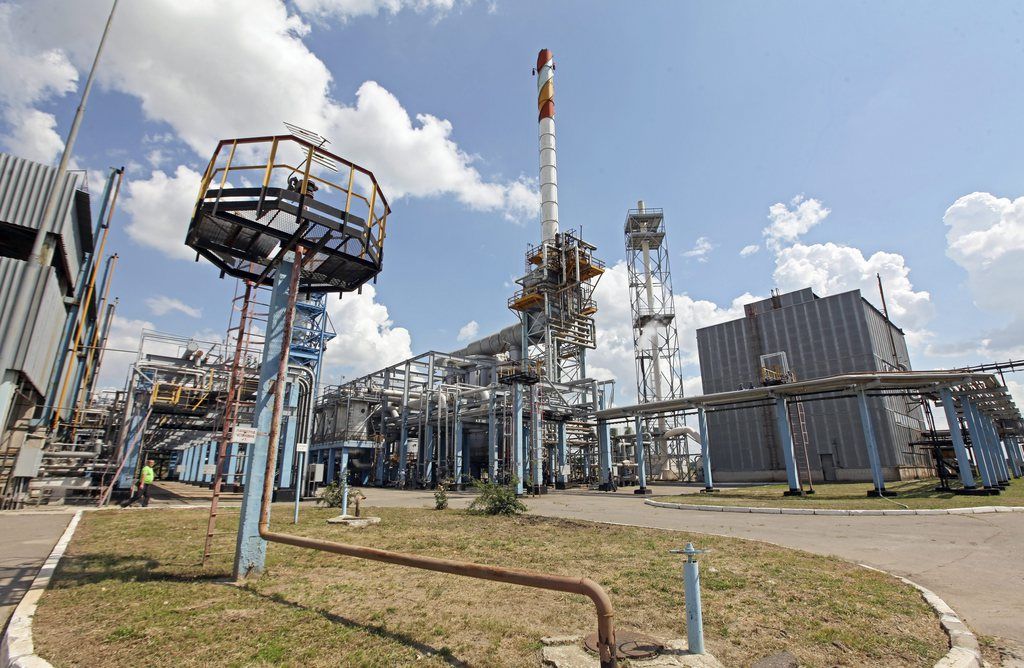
<point>55,313</point>
<point>800,336</point>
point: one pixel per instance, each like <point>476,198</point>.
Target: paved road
<point>27,540</point>
<point>971,561</point>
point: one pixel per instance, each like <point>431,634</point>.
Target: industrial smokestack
<point>548,169</point>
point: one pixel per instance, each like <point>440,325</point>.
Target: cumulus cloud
<point>749,250</point>
<point>831,268</point>
<point>469,331</point>
<point>160,208</point>
<point>162,305</point>
<point>28,76</point>
<point>182,58</point>
<point>366,340</point>
<point>701,249</point>
<point>345,10</point>
<point>788,222</point>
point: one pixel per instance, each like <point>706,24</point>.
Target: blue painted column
<point>996,448</point>
<point>172,464</point>
<point>286,460</point>
<point>211,454</point>
<point>343,473</point>
<point>403,439</point>
<point>193,464</point>
<point>641,457</point>
<point>1013,447</point>
<point>977,443</point>
<point>604,447</point>
<point>561,457</point>
<point>132,439</point>
<point>786,442</point>
<point>991,456</point>
<point>492,437</point>
<point>251,549</point>
<point>428,448</point>
<point>705,450</point>
<point>872,444</point>
<point>329,472</point>
<point>185,462</point>
<point>382,457</point>
<point>459,458</point>
<point>537,440</point>
<point>963,461</point>
<point>517,436</point>
<point>232,463</point>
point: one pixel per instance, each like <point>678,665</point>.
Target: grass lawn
<point>130,592</point>
<point>913,494</point>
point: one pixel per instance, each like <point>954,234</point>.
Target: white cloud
<point>162,305</point>
<point>344,10</point>
<point>749,250</point>
<point>790,222</point>
<point>701,248</point>
<point>28,76</point>
<point>182,60</point>
<point>160,208</point>
<point>831,268</point>
<point>469,331</point>
<point>366,339</point>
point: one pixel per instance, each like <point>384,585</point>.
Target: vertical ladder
<point>801,431</point>
<point>233,401</point>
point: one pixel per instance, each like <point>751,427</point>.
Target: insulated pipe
<point>548,168</point>
<point>508,339</point>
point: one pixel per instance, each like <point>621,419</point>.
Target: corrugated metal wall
<point>821,337</point>
<point>23,190</point>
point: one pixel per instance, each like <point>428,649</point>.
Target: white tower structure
<point>655,340</point>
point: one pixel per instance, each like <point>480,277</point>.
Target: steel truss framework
<point>656,343</point>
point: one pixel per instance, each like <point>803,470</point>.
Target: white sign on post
<point>302,447</point>
<point>209,469</point>
<point>244,435</point>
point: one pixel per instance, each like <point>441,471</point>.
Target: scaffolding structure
<point>656,343</point>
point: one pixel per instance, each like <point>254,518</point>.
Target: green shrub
<point>495,499</point>
<point>440,497</point>
<point>331,495</point>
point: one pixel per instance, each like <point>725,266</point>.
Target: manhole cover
<point>630,645</point>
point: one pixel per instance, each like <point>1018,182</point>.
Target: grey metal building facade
<point>821,336</point>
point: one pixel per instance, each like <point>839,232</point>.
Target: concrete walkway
<point>971,561</point>
<point>28,538</point>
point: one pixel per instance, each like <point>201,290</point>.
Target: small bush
<point>331,495</point>
<point>440,497</point>
<point>495,499</point>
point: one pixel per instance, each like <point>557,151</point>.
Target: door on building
<point>828,467</point>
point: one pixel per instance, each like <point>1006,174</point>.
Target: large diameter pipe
<point>548,167</point>
<point>582,586</point>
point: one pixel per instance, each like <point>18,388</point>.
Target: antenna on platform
<point>315,138</point>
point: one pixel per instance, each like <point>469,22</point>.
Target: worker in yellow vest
<point>146,478</point>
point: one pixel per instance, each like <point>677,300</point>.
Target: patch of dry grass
<point>130,591</point>
<point>912,494</point>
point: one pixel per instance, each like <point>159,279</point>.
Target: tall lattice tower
<point>655,339</point>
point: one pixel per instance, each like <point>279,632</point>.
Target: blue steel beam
<point>641,457</point>
<point>963,460</point>
<point>872,444</point>
<point>560,479</point>
<point>251,549</point>
<point>786,443</point>
<point>705,450</point>
<point>977,443</point>
<point>517,436</point>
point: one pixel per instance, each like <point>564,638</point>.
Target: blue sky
<point>863,123</point>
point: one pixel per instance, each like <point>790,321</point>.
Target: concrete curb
<point>979,510</point>
<point>16,647</point>
<point>964,651</point>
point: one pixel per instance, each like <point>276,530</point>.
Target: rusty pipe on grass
<point>582,586</point>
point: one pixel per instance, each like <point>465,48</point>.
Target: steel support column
<point>963,461</point>
<point>458,456</point>
<point>232,463</point>
<point>251,548</point>
<point>537,440</point>
<point>492,438</point>
<point>705,450</point>
<point>978,443</point>
<point>996,448</point>
<point>786,443</point>
<point>872,445</point>
<point>560,477</point>
<point>641,456</point>
<point>517,436</point>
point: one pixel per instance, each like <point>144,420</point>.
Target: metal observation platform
<point>263,196</point>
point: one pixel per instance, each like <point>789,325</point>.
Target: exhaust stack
<point>548,169</point>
